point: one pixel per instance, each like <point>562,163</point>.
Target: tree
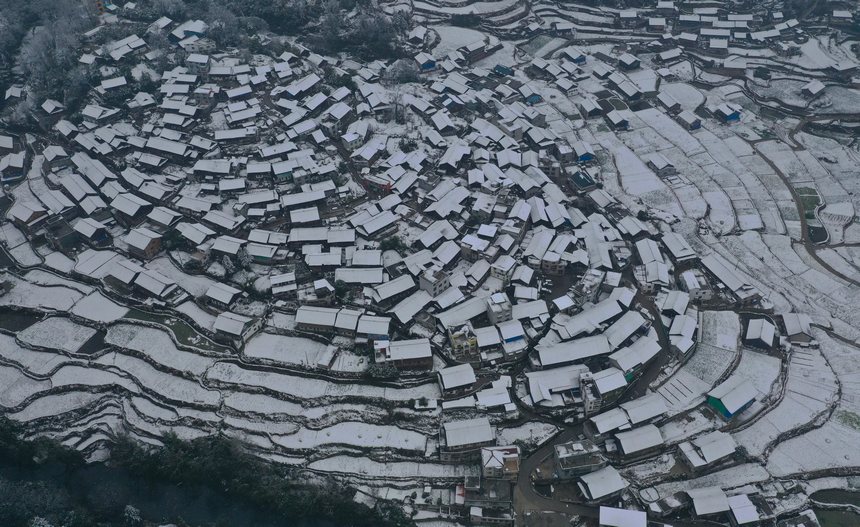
<point>466,20</point>
<point>407,145</point>
<point>762,73</point>
<point>244,258</point>
<point>332,26</point>
<point>340,288</point>
<point>392,243</point>
<point>403,71</point>
<point>229,266</point>
<point>382,370</point>
<point>223,25</point>
<point>374,36</point>
<point>131,517</point>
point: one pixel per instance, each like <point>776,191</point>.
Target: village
<point>570,266</point>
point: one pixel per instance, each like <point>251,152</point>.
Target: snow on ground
<point>833,445</point>
<point>59,262</point>
<point>262,426</point>
<point>24,255</point>
<point>720,329</point>
<point>364,467</point>
<point>55,405</point>
<point>11,236</point>
<point>160,384</point>
<point>45,278</point>
<point>656,467</point>
<point>261,404</point>
<point>278,409</point>
<point>451,38</point>
<point>158,346</point>
<point>196,285</point>
<point>17,388</point>
<point>684,426</point>
<point>636,178</point>
<point>201,318</point>
<point>134,419</point>
<point>361,435</point>
<point>713,355</point>
<point>810,387</point>
<point>286,349</point>
<point>81,375</point>
<point>57,333</point>
<point>761,371</point>
<point>308,388</point>
<point>98,308</point>
<point>25,294</point>
<point>40,363</point>
<point>688,96</point>
<point>478,8</point>
<point>533,432</point>
<point>731,477</point>
<point>347,361</point>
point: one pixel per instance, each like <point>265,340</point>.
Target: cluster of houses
<point>453,247</point>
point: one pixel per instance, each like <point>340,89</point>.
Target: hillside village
<point>574,265</point>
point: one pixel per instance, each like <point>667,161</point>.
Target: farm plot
<point>809,389</point>
<point>57,333</point>
<point>285,349</point>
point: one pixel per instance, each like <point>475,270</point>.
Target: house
<point>373,328</point>
<point>612,517</point>
<point>660,165</point>
<point>617,120</point>
<point>797,328</point>
<point>143,243</point>
<point>670,103</point>
<point>628,18</point>
<point>425,61</point>
<point>575,458</point>
<point>455,380</point>
<point>92,231</point>
<point>761,333</point>
<point>707,450</point>
<point>155,284</point>
<point>601,485</point>
<point>7,144</point>
<point>812,89</point>
<point>236,327</point>
<point>631,359</point>
<point>628,62</point>
<point>727,112</point>
<point>709,501</point>
<point>414,354</point>
<point>29,217</point>
<point>743,511</point>
<point>732,397</point>
<point>221,295</point>
<point>694,284</point>
<point>689,120</point>
<point>316,319</point>
<point>639,442</point>
<point>461,441</point>
<point>129,208</point>
<point>52,107</point>
<point>500,462</point>
<point>12,167</point>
